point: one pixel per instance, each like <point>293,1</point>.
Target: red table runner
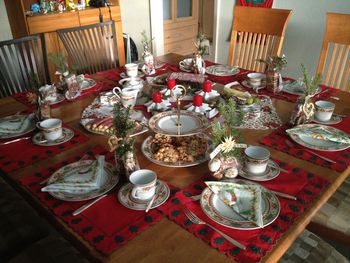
<point>277,140</point>
<point>300,183</point>
<point>23,153</point>
<point>107,225</point>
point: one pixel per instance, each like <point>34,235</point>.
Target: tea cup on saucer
<point>187,63</point>
<point>131,70</point>
<point>324,110</point>
<point>256,159</point>
<point>256,79</point>
<point>144,184</point>
<point>127,96</point>
<point>51,128</point>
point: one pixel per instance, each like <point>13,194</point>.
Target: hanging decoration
<point>256,3</point>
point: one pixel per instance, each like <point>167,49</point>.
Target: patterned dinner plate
<point>222,70</point>
<point>317,144</point>
<point>39,138</point>
<point>191,123</point>
<point>124,197</point>
<point>224,215</point>
<point>270,173</point>
<point>109,181</point>
<point>87,84</point>
<point>19,130</point>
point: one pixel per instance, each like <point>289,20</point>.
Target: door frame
<point>157,33</point>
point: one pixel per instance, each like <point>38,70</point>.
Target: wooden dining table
<point>166,241</point>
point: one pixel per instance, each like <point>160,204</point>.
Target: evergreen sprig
<point>275,62</point>
<point>311,84</point>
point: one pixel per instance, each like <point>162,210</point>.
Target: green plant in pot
<point>121,141</point>
<point>274,66</point>
<point>226,137</point>
<point>305,108</point>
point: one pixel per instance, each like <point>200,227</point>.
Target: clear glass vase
<point>127,163</point>
<point>274,81</point>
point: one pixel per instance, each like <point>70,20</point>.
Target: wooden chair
<point>334,63</point>
<point>94,48</point>
<point>256,33</point>
<point>20,59</point>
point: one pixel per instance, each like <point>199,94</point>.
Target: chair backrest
<point>92,48</point>
<point>20,59</point>
<point>256,33</point>
<point>334,63</point>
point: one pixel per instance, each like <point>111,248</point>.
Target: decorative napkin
<point>294,86</point>
<point>245,199</point>
<point>79,179</point>
<point>15,123</point>
<point>320,132</point>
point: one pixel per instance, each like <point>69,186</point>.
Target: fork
<point>196,220</point>
<point>291,145</point>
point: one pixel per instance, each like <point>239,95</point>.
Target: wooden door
<point>180,18</point>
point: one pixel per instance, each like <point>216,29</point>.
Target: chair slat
<point>342,68</point>
<point>252,51</point>
<point>336,66</point>
<point>249,41</point>
<point>331,64</point>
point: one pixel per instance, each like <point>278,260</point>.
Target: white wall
<point>5,30</point>
<point>305,31</point>
<point>135,18</point>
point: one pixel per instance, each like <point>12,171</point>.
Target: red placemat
<point>100,86</point>
<point>300,183</point>
<point>277,140</point>
<point>23,153</point>
<point>107,225</point>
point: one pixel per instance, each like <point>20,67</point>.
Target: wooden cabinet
<point>22,25</point>
<point>180,25</point>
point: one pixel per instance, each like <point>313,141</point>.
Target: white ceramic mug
<point>131,70</point>
<point>256,79</point>
<point>324,110</point>
<point>187,63</point>
<point>144,184</point>
<point>51,128</point>
<point>127,96</point>
<point>256,159</point>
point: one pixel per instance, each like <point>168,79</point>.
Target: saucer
<point>333,120</point>
<point>60,97</point>
<point>140,74</point>
<point>124,197</point>
<point>39,138</point>
<point>270,173</point>
<point>185,69</point>
<point>256,89</point>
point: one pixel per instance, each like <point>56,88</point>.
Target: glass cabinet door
<point>167,9</point>
<point>184,8</point>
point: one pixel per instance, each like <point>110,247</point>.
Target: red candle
<point>197,100</point>
<point>207,86</point>
<point>171,83</point>
<point>157,97</point>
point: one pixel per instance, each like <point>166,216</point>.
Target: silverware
<point>15,140</point>
<point>153,198</point>
<point>86,206</point>
<point>288,196</point>
<point>291,145</point>
<point>196,220</point>
<point>277,167</point>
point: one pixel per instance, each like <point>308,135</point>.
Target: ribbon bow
<point>113,142</point>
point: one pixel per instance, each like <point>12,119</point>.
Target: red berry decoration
<point>157,97</point>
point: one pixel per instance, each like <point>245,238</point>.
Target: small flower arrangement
<point>311,83</point>
<point>275,63</point>
<point>60,61</point>
<point>202,44</point>
<point>146,42</point>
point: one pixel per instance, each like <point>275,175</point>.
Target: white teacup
<point>51,128</point>
<point>256,79</point>
<point>127,96</point>
<point>49,92</point>
<point>256,159</point>
<point>131,70</point>
<point>187,63</point>
<point>324,110</point>
<point>144,184</point>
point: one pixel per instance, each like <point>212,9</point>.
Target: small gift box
<point>108,98</point>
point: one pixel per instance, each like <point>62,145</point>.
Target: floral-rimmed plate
<point>270,173</point>
<point>146,149</point>
<point>26,126</point>
<point>224,215</point>
<point>124,197</point>
<point>109,181</point>
<point>333,120</point>
<point>317,144</point>
<point>39,138</point>
<point>191,123</point>
<point>222,70</point>
<point>87,84</point>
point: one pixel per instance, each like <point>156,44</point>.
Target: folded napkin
<point>208,95</point>
<point>294,86</point>
<point>244,199</point>
<point>321,132</point>
<point>80,178</point>
<point>15,123</point>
